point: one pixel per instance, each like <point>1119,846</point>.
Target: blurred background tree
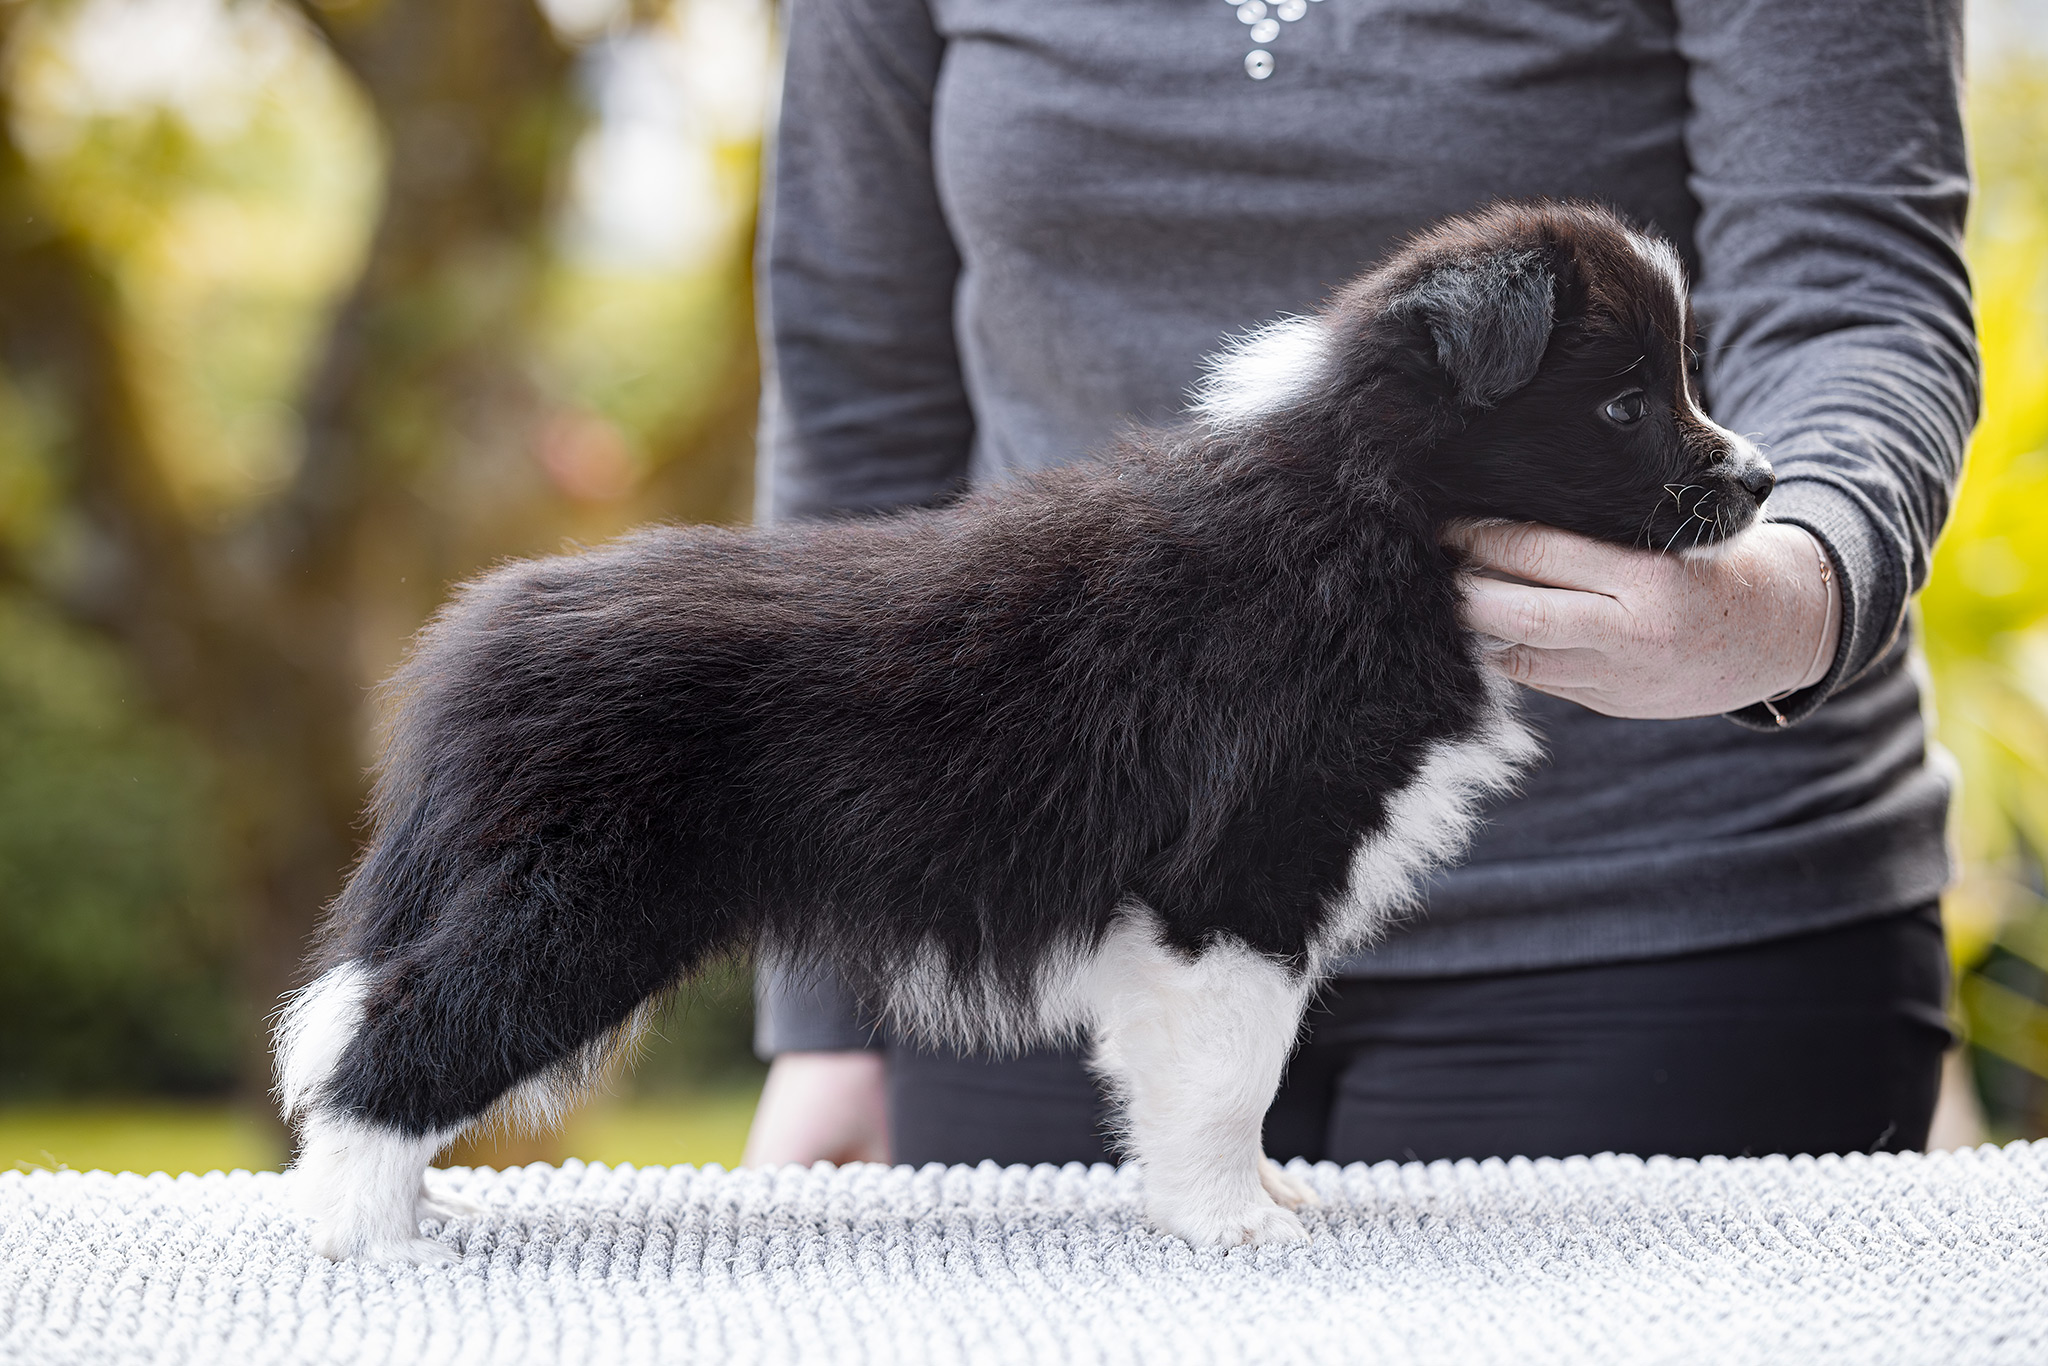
<point>308,310</point>
<point>304,315</point>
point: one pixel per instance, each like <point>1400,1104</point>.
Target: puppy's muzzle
<point>1743,480</point>
<point>1757,480</point>
<point>1735,489</point>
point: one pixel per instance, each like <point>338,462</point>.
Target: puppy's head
<point>1563,342</point>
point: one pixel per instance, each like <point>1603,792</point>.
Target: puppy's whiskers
<point>1646,535</point>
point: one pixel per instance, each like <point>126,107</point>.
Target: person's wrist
<point>1805,603</point>
<point>1820,579</point>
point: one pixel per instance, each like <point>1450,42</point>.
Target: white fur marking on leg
<point>364,1184</point>
<point>1263,371</point>
<point>1194,1050</point>
<point>313,1030</point>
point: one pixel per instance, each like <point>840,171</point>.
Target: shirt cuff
<point>807,1012</point>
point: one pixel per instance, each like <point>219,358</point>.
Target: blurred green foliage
<point>115,958</point>
<point>306,312</point>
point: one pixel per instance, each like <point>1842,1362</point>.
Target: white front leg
<point>1193,1051</point>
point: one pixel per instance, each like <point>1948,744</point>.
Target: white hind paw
<point>363,1183</point>
<point>1289,1190</point>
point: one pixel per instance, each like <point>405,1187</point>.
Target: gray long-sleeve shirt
<point>1000,230</point>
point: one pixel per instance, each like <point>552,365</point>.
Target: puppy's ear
<point>1490,319</point>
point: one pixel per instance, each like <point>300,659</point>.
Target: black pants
<point>1828,1042</point>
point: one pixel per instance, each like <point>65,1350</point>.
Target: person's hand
<point>1637,633</point>
<point>821,1107</point>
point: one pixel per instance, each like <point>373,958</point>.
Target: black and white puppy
<point>1131,750</point>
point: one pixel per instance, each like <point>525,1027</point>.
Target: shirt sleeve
<point>806,1013</point>
<point>1828,160</point>
<point>864,408</point>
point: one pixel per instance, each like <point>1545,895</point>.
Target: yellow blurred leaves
<point>1985,610</point>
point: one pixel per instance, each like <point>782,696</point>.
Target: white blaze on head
<point>1263,371</point>
<point>1663,258</point>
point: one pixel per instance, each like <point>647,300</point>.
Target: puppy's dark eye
<point>1626,409</point>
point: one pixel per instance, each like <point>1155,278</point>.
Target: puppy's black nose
<point>1759,480</point>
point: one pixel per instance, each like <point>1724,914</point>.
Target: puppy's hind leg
<point>1194,1050</point>
<point>362,1181</point>
<point>488,1013</point>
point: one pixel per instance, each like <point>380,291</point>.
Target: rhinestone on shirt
<point>1263,21</point>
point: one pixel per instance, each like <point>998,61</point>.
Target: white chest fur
<point>1430,821</point>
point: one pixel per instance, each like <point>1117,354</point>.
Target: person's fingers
<point>822,1106</point>
<point>1543,554</point>
<point>1552,670</point>
<point>1548,618</point>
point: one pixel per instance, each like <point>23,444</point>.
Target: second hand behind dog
<point>1130,751</point>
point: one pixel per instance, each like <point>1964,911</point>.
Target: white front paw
<point>1227,1223</point>
<point>1272,1224</point>
<point>337,1243</point>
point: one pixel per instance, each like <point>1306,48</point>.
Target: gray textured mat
<point>1909,1259</point>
